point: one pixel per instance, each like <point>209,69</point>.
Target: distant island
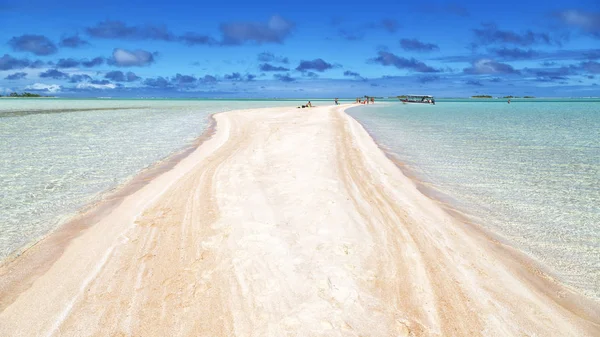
<point>509,97</point>
<point>518,97</point>
<point>25,94</point>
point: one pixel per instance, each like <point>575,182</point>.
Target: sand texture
<point>286,222</point>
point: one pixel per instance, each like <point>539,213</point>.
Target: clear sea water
<point>58,155</point>
<point>528,171</point>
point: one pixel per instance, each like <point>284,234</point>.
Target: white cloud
<point>126,58</point>
<point>44,87</point>
<point>87,85</point>
<point>577,18</point>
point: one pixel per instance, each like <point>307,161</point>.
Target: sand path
<point>287,222</point>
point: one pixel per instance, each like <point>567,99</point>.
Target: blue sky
<point>308,49</point>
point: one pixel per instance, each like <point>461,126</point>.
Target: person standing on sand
<point>372,100</point>
<point>336,101</point>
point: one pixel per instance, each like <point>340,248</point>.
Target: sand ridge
<point>286,222</point>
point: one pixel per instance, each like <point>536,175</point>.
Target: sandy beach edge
<point>522,264</point>
<point>542,285</point>
<point>19,269</point>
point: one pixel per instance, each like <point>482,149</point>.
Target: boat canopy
<point>417,99</point>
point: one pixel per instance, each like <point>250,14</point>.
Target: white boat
<point>420,99</point>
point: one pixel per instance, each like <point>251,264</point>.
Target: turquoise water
<point>528,171</point>
<point>58,155</point>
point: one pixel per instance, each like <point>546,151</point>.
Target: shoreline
<point>528,266</point>
<point>49,246</point>
<point>452,206</point>
<point>449,204</point>
<point>388,251</point>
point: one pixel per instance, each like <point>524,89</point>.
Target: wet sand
<point>286,222</point>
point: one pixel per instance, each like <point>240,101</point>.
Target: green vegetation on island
<point>25,94</point>
<point>481,96</point>
<point>518,97</point>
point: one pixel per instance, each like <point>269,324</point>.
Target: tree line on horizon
<point>490,96</point>
<point>24,94</point>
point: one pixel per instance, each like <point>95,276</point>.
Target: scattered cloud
<point>193,39</point>
<point>114,29</point>
<point>515,53</point>
<point>588,22</point>
<point>72,42</point>
<point>551,72</point>
<point>102,85</point>
<point>487,66</point>
<point>67,63</point>
<point>233,77</point>
<point>354,74</point>
<point>276,30</point>
<point>158,82</point>
<point>351,73</point>
<point>489,34</point>
<point>474,83</point>
<point>270,57</point>
<point>16,76</point>
<point>284,78</point>
<point>270,67</point>
<point>8,62</point>
<point>418,46</point>
<point>388,59</point>
<point>119,76</point>
<point>184,80</point>
<point>96,61</point>
<point>80,78</point>
<point>316,65</point>
<point>390,25</point>
<point>358,32</point>
<point>551,79</point>
<point>41,87</point>
<point>591,67</point>
<point>73,63</point>
<point>36,44</point>
<point>54,74</point>
<point>428,78</point>
<point>135,58</point>
<point>239,77</point>
<point>592,54</point>
<point>208,79</point>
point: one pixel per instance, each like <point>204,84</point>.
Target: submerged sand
<point>286,222</point>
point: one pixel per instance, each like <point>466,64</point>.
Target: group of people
<point>366,101</point>
<point>336,101</point>
<point>307,105</point>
